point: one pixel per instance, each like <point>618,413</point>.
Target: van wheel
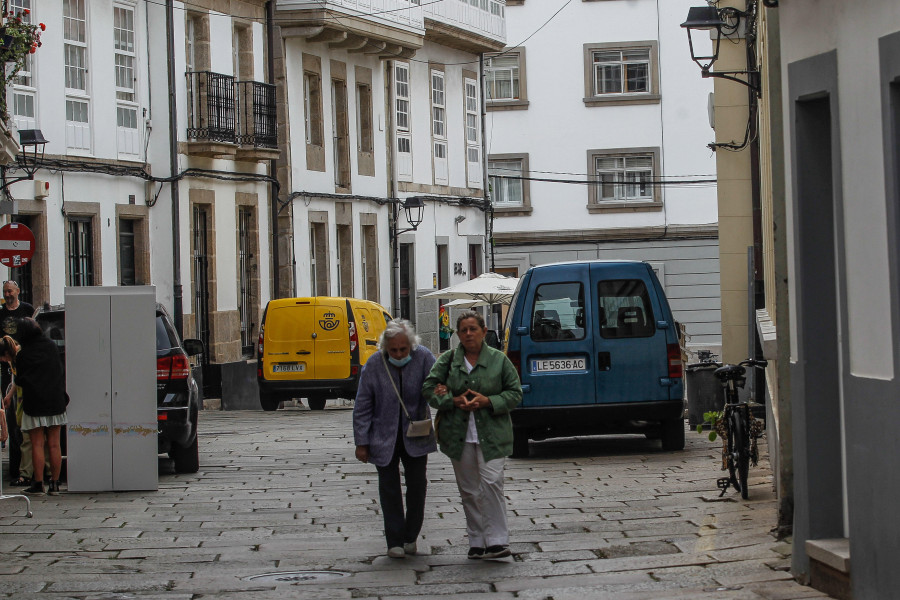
<point>673,434</point>
<point>520,443</point>
<point>268,402</point>
<point>316,403</point>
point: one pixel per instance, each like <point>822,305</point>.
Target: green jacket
<point>493,376</point>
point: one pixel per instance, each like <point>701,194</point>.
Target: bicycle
<point>739,427</point>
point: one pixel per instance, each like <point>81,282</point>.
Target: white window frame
<point>22,94</point>
<point>128,137</point>
<point>403,121</point>
<point>514,77</point>
<point>439,148</point>
<point>78,132</point>
<point>620,64</point>
<point>472,132</point>
<point>501,187</point>
<point>625,178</point>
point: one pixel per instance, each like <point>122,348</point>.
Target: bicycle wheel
<point>740,450</point>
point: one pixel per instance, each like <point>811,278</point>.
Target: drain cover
<point>297,576</point>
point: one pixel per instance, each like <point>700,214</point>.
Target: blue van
<point>598,352</point>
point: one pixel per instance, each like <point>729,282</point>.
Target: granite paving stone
<point>590,518</point>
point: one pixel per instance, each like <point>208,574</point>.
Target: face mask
<point>399,362</point>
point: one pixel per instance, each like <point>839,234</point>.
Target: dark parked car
<point>177,394</point>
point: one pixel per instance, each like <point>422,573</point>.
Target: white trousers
<point>481,489</point>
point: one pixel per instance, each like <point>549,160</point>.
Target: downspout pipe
<point>173,169</point>
<point>485,182</point>
<point>273,164</point>
<point>395,206</point>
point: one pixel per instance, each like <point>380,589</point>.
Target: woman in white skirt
<point>39,374</point>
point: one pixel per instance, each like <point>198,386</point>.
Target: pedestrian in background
<point>393,375</point>
<point>40,377</point>
<point>474,387</point>
<point>11,313</point>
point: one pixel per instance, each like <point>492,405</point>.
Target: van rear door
<point>557,362</point>
<point>330,330</point>
<point>632,364</point>
<point>290,346</point>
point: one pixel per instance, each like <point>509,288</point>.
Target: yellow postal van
<point>314,348</point>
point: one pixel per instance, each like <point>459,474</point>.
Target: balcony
<point>388,28</point>
<point>211,114</point>
<point>472,25</point>
<point>256,132</point>
<point>229,119</point>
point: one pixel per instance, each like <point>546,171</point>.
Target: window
<point>439,127</point>
<point>624,309</point>
<point>369,265</point>
<point>318,259</point>
<point>624,177</point>
<point>364,130</point>
<point>509,187</point>
<point>313,114</point>
<point>22,92</point>
<point>312,98</point>
<point>473,127</point>
<point>402,122</point>
<point>246,264</point>
<point>127,268</point>
<point>345,260</point>
<point>621,73</point>
<point>340,131</point>
<point>506,182</point>
<point>558,312</point>
<point>504,80</point>
<point>190,43</point>
<point>75,49</point>
<point>81,254</point>
<point>128,138</point>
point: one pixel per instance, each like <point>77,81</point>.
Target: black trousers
<point>402,529</point>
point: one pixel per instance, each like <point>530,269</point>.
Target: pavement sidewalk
<point>281,509</point>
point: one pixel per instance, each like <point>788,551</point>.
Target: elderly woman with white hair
<point>381,431</point>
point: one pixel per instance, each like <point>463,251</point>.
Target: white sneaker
<point>397,552</point>
<point>410,548</point>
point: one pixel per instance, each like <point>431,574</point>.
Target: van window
<point>558,312</point>
<point>624,309</point>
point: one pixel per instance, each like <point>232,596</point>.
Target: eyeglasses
<point>11,281</point>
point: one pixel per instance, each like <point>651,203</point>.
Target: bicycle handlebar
<point>752,362</point>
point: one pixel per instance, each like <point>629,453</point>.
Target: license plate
<point>549,365</point>
<point>289,368</point>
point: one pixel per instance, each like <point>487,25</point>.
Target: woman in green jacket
<point>473,388</point>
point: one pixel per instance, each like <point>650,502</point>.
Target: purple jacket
<point>376,410</point>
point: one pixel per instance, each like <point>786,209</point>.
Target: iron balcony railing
<point>212,115</point>
<point>235,112</point>
<point>256,114</point>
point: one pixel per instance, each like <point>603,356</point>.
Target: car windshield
<point>166,339</point>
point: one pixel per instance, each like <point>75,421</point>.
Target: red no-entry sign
<point>16,245</point>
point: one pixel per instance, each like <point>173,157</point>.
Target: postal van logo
<point>365,324</point>
<point>328,321</point>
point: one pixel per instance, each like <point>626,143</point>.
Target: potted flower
<point>18,39</point>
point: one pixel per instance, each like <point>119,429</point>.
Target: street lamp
<point>32,142</point>
<point>414,207</point>
<point>724,21</point>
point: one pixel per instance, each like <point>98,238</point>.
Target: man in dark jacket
<point>11,313</point>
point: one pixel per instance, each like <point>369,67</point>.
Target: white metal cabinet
<point>111,381</point>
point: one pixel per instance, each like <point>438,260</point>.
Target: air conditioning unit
<point>41,189</point>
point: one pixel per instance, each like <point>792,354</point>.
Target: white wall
<point>557,128</point>
<point>854,29</point>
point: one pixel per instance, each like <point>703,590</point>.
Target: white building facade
<point>383,105</point>
<point>111,206</point>
<point>596,148</point>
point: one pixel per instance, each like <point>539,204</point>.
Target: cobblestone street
<point>282,493</point>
